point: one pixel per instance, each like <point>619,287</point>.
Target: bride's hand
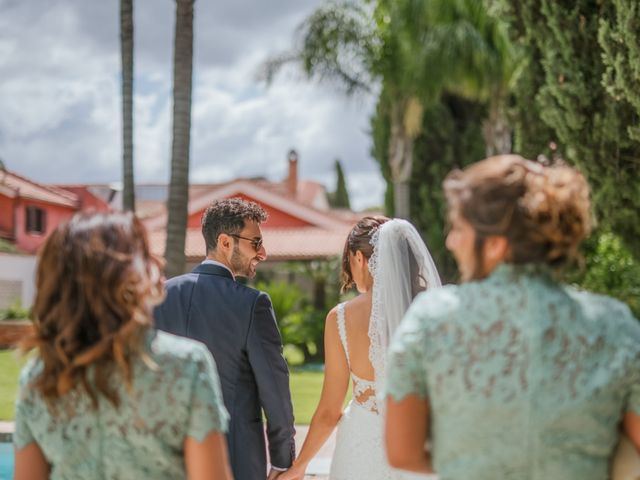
<point>296,472</point>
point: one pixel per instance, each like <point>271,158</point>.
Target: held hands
<point>273,474</point>
<point>296,472</point>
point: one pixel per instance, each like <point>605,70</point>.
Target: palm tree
<point>177,203</point>
<point>415,49</point>
<point>126,47</point>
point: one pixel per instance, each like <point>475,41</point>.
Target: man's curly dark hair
<point>228,216</point>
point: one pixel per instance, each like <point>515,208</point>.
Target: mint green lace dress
<point>143,438</point>
<point>526,379</point>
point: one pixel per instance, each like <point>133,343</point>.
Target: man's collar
<point>208,261</point>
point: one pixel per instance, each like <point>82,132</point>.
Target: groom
<point>238,325</point>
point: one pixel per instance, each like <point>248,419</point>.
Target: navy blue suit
<point>238,325</point>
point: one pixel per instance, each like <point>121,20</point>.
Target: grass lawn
<point>9,371</point>
<point>305,393</point>
<point>305,389</point>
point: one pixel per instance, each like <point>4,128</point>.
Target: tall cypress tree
<point>619,37</point>
<point>574,80</point>
<point>341,195</point>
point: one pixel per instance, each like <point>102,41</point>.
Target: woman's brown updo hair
<point>97,283</point>
<point>543,211</point>
<point>359,238</point>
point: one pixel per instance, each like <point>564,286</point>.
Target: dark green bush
<point>610,269</point>
<point>15,312</point>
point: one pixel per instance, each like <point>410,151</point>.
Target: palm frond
<point>336,43</point>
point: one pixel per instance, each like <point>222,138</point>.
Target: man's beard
<point>241,268</point>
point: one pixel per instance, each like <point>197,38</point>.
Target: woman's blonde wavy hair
<point>97,283</point>
<point>543,211</point>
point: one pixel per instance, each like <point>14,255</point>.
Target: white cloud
<point>60,96</point>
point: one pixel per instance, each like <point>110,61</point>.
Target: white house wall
<point>17,279</point>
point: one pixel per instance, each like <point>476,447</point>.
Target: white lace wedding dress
<point>359,452</point>
<point>401,267</point>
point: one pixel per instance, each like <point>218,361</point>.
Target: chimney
<point>292,178</point>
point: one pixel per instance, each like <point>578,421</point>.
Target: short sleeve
<point>207,411</point>
<point>633,403</point>
<point>22,435</point>
<point>628,330</point>
<point>406,373</point>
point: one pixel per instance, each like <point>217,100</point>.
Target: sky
<point>60,96</point>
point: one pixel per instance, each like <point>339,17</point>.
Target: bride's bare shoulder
<point>359,304</point>
<point>333,313</point>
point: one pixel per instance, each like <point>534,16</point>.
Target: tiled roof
<point>87,198</point>
<point>309,193</point>
<point>257,191</point>
<point>25,188</point>
<point>304,243</point>
<point>280,243</point>
<point>150,208</point>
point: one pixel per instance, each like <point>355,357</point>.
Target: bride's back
<point>357,313</point>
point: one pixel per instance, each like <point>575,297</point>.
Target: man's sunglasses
<point>255,242</point>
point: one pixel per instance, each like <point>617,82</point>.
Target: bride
<point>389,265</point>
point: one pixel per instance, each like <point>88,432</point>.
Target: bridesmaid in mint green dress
<point>512,374</point>
<point>105,396</point>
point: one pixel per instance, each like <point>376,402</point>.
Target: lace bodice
<point>144,437</point>
<point>525,378</point>
<point>364,391</point>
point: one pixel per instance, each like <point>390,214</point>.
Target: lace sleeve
<point>633,404</point>
<point>22,435</point>
<point>207,411</point>
<point>406,374</point>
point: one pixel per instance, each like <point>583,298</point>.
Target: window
<point>36,220</point>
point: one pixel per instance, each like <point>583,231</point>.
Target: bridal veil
<point>401,267</point>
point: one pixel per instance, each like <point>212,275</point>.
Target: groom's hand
<point>294,473</point>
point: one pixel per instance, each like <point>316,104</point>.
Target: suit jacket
<point>238,325</point>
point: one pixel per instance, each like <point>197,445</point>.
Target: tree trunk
<point>401,196</point>
<point>126,47</point>
<point>177,203</point>
<point>400,161</point>
<point>320,293</point>
<point>496,130</point>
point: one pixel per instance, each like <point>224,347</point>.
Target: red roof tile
<point>25,188</point>
<point>264,192</point>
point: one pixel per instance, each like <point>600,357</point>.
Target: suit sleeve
<point>264,347</point>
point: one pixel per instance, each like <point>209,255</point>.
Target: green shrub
<point>15,312</point>
<point>610,269</point>
<point>7,247</point>
<point>300,324</point>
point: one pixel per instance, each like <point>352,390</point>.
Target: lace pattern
<point>377,348</point>
<point>525,378</point>
<point>144,437</point>
<point>359,452</point>
<point>401,267</point>
<point>364,393</point>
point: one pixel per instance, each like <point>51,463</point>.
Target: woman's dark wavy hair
<point>543,211</point>
<point>97,283</point>
<point>359,238</point>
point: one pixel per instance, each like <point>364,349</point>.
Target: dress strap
<point>342,330</point>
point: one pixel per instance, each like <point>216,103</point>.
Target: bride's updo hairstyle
<point>359,238</point>
<point>97,283</point>
<point>543,211</point>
